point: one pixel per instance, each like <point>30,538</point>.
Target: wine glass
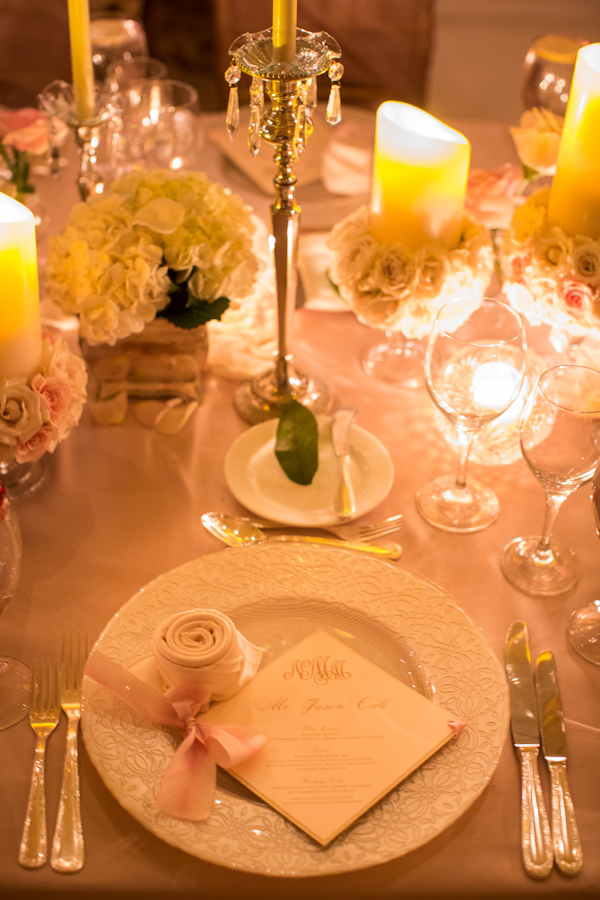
<point>583,629</point>
<point>15,677</point>
<point>548,71</point>
<point>474,370</point>
<point>115,36</point>
<point>560,441</point>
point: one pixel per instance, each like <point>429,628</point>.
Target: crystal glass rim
<point>582,412</point>
<point>176,83</point>
<point>499,343</point>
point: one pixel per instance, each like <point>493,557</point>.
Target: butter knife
<point>343,498</point>
<point>536,844</point>
<point>565,835</point>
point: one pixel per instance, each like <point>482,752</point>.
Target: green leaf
<point>199,312</point>
<point>297,443</point>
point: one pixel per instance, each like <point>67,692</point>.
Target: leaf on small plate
<point>297,443</point>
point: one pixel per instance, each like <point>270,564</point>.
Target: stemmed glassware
<point>14,675</point>
<point>560,441</point>
<point>583,629</point>
<point>474,370</point>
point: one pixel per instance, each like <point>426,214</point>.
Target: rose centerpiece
<point>398,261</point>
<point>144,267</point>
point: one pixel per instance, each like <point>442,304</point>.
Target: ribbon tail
<point>187,789</point>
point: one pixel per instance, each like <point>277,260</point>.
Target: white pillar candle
<point>575,193</point>
<point>419,179</point>
<point>20,329</point>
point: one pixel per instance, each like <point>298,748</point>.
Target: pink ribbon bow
<point>188,784</point>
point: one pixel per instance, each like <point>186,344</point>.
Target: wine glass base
<point>15,686</point>
<point>21,479</point>
<point>462,510</point>
<point>398,363</point>
<point>583,631</point>
<point>258,400</point>
<point>531,575</point>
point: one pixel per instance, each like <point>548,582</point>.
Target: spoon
<point>237,533</point>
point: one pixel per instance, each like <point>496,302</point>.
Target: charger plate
<point>276,595</point>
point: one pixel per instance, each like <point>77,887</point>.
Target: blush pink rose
<point>492,194</point>
<point>576,295</point>
<point>57,395</point>
<point>24,129</point>
<point>31,450</point>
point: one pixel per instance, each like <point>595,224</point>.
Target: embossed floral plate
<point>258,482</point>
<point>276,595</point>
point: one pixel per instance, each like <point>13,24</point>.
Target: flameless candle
<point>419,179</point>
<point>494,384</point>
<point>284,30</point>
<point>20,330</point>
<point>81,58</point>
<point>575,194</point>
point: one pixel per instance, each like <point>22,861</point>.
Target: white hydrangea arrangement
<point>393,288</point>
<point>38,412</point>
<point>551,277</point>
<point>159,243</point>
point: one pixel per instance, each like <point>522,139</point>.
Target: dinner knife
<point>536,844</point>
<point>565,835</point>
<point>343,498</point>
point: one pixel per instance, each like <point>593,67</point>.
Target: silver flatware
<point>44,714</point>
<point>360,533</point>
<point>67,845</point>
<point>565,834</point>
<point>536,844</point>
<point>343,496</point>
<point>246,533</point>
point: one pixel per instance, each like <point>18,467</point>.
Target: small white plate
<point>258,482</point>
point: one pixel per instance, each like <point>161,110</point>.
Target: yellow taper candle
<point>285,13</point>
<point>419,178</point>
<point>20,330</point>
<point>575,194</point>
<point>81,58</point>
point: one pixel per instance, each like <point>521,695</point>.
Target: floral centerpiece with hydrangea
<point>37,413</point>
<point>157,244</point>
<point>393,288</point>
<point>551,277</point>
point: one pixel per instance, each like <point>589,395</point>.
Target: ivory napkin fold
<point>203,646</point>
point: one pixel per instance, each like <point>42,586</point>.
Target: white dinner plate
<point>258,482</point>
<point>276,595</point>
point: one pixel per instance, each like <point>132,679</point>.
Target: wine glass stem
<point>465,440</point>
<point>554,502</point>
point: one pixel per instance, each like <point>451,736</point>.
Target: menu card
<point>342,734</point>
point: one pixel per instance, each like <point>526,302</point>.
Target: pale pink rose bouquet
<point>37,413</point>
<point>493,194</point>
<point>23,133</point>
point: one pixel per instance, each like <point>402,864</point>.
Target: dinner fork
<point>67,845</point>
<point>361,533</point>
<point>44,714</point>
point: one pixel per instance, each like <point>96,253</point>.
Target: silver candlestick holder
<point>287,124</point>
<point>57,100</point>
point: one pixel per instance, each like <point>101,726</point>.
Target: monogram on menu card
<point>320,669</point>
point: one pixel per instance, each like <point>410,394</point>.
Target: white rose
<point>394,270</point>
<point>431,263</point>
<point>22,411</point>
<point>586,260</point>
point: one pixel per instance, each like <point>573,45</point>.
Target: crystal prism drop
<point>232,118</point>
<point>334,106</point>
<point>257,92</point>
<point>311,93</point>
<point>254,130</point>
<point>300,135</point>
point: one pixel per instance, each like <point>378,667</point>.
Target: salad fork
<point>44,714</point>
<point>67,845</point>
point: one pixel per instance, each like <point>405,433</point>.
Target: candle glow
<point>419,179</point>
<point>81,58</point>
<point>575,194</point>
<point>494,384</point>
<point>285,14</point>
<point>20,329</point>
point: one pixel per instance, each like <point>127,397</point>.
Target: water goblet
<point>560,441</point>
<point>474,370</point>
<point>115,36</point>
<point>548,72</point>
<point>583,629</point>
<point>14,675</point>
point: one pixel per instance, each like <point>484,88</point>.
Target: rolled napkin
<point>203,646</point>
